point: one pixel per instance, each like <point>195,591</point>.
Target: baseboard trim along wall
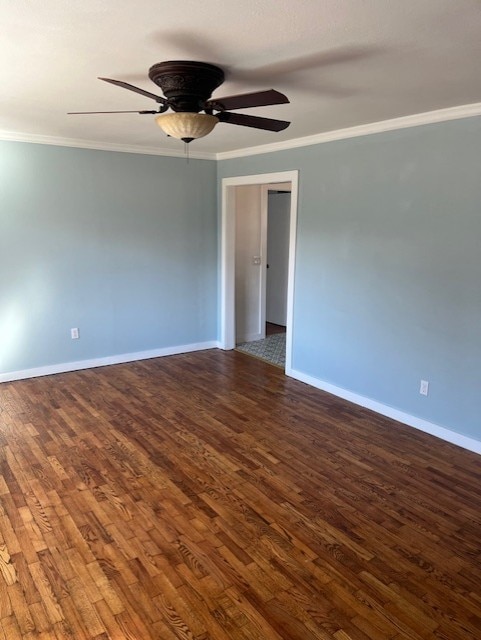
<point>65,367</point>
<point>249,337</point>
<point>411,421</point>
<point>418,423</point>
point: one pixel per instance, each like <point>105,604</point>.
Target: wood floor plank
<point>207,496</point>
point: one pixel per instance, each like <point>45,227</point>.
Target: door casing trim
<point>227,292</point>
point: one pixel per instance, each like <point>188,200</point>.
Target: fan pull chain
<point>186,151</point>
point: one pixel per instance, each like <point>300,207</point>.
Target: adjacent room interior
<point>240,351</point>
<point>269,291</point>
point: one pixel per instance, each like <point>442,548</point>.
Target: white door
<point>278,225</point>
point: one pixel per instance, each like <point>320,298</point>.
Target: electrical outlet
<point>424,388</point>
<point>74,334</point>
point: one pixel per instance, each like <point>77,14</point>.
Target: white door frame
<point>227,301</point>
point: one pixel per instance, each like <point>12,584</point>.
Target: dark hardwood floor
<point>272,328</point>
<point>207,496</point>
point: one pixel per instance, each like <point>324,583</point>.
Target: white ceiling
<point>341,62</point>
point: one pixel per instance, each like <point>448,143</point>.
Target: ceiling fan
<point>188,87</point>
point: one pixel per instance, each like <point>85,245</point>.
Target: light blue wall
<point>388,280</point>
<point>122,246</point>
<point>388,276</point>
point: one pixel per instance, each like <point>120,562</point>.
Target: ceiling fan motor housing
<point>186,84</point>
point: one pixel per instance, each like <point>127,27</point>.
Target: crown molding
<point>404,122</point>
<point>15,136</point>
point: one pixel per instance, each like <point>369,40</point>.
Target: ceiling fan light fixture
<point>185,125</point>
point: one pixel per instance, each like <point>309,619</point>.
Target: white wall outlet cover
<point>74,334</point>
<point>424,388</point>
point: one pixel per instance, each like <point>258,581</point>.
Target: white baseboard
<point>249,337</point>
<point>418,423</point>
<point>64,367</point>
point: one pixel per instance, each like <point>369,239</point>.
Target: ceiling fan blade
<point>268,124</point>
<point>130,87</point>
<point>245,100</point>
<point>79,113</point>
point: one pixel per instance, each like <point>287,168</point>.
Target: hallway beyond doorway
<point>271,349</point>
<point>272,328</point>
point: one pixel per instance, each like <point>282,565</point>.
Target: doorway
<point>261,320</point>
<point>277,257</point>
<point>229,249</point>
